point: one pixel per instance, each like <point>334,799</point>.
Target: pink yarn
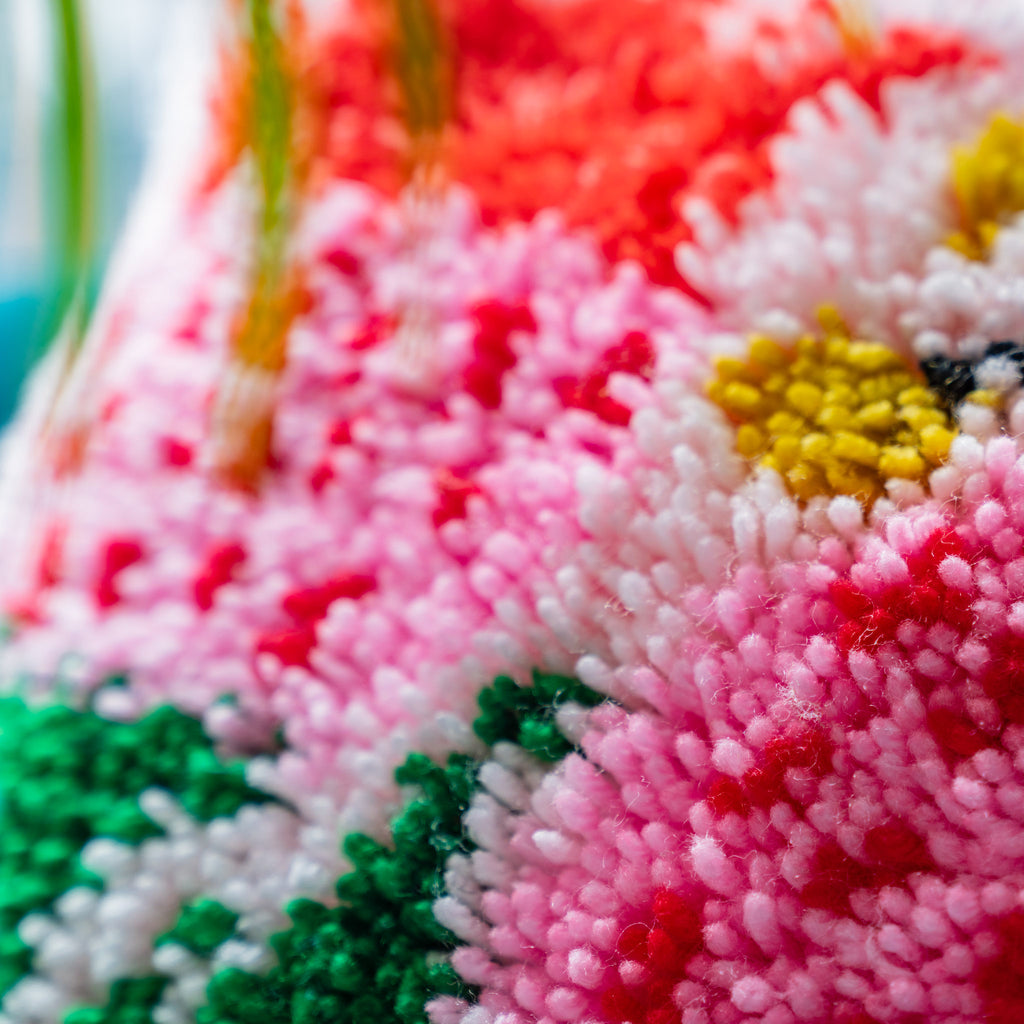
<point>723,801</point>
<point>201,607</point>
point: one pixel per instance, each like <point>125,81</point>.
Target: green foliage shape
<point>381,955</point>
<point>69,776</point>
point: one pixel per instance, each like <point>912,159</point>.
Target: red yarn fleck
<point>27,607</point>
<point>321,476</point>
<point>110,409</point>
<point>663,1015</point>
<point>895,851</point>
<point>663,943</point>
<point>632,944</point>
<point>289,646</point>
<point>176,453</point>
<point>894,847</point>
<point>306,607</point>
<point>310,604</point>
<point>765,784</point>
<point>662,952</point>
<point>119,554</point>
<point>453,493</point>
<point>834,876</point>
<point>51,554</point>
<point>634,354</point>
<point>924,604</point>
<point>343,262</point>
<point>849,600</point>
<point>874,619</point>
<point>1003,678</point>
<point>943,543</point>
<point>726,795</point>
<point>956,734</point>
<point>492,354</point>
<point>621,1004</point>
<point>222,562</point>
<point>1000,980</point>
<point>190,329</point>
<point>376,329</point>
<point>341,433</point>
<point>679,920</point>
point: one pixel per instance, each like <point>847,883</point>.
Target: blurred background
<point>126,42</point>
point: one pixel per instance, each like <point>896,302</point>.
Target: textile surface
<point>537,535</point>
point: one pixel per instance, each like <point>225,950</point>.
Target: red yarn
<point>51,554</point>
<point>375,330</point>
<point>765,784</point>
<point>120,553</point>
<point>492,353</point>
<point>27,607</point>
<point>726,795</point>
<point>874,619</point>
<point>177,453</point>
<point>834,876</point>
<point>221,564</point>
<point>321,476</point>
<point>895,847</point>
<point>453,493</point>
<point>306,607</point>
<point>663,944</point>
<point>956,734</point>
<point>289,646</point>
<point>310,604</point>
<point>1003,678</point>
<point>343,262</point>
<point>1001,979</point>
<point>341,433</point>
<point>634,354</point>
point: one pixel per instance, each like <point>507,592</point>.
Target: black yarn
<point>952,379</point>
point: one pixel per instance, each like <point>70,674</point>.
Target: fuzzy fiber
<point>628,624</point>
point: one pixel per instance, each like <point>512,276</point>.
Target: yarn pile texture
<point>627,623</point>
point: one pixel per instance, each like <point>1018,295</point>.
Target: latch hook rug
<point>534,533</point>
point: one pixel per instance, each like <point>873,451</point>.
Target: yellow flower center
<point>833,415</point>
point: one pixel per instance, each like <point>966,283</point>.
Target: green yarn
<point>382,955</point>
<point>202,927</point>
<point>69,776</point>
<point>131,1002</point>
<point>526,715</point>
<point>271,128</point>
<point>73,169</point>
<point>370,958</point>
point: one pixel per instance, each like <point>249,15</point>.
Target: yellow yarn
<point>988,181</point>
<point>833,415</point>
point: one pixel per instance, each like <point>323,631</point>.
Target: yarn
<point>372,957</point>
<point>833,415</point>
<point>381,953</point>
<point>130,1003</point>
<point>621,617</point>
<point>202,927</point>
<point>988,189</point>
<point>68,776</point>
